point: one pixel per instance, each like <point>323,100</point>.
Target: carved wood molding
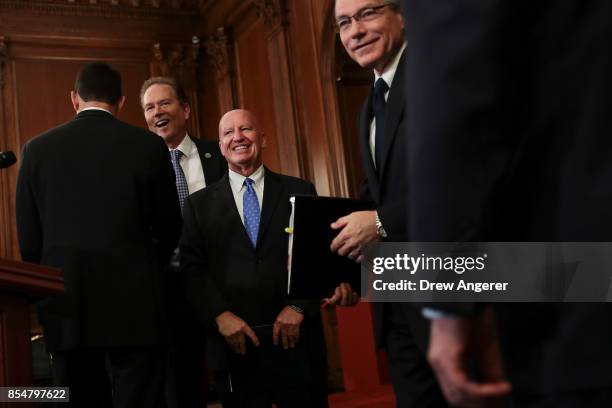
<point>272,12</point>
<point>3,58</point>
<point>177,60</point>
<point>145,9</point>
<point>217,49</point>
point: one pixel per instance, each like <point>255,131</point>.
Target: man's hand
<point>343,296</point>
<point>357,229</point>
<point>453,341</point>
<point>287,327</point>
<point>234,330</point>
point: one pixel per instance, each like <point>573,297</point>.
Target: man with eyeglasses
<point>372,32</point>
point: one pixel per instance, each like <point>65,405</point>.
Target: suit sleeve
<point>166,219</point>
<point>29,228</point>
<point>200,288</point>
<point>457,149</point>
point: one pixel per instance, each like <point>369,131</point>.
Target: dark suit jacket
<point>214,164</point>
<point>389,192</point>
<point>96,197</point>
<point>510,141</point>
<point>214,167</point>
<point>222,271</point>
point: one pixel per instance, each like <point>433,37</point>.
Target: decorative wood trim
<point>272,12</point>
<point>140,9</point>
<point>219,51</point>
<point>31,279</point>
<point>3,58</point>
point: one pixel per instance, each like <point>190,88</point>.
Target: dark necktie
<point>181,181</point>
<point>250,207</point>
<point>379,108</point>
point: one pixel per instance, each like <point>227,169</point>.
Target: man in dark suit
<point>96,197</point>
<point>510,141</point>
<point>263,347</point>
<point>196,163</point>
<point>372,33</point>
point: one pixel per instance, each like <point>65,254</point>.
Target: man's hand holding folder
<point>356,229</point>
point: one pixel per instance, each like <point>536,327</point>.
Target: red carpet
<point>381,397</point>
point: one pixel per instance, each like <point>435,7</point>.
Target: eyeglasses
<point>365,14</point>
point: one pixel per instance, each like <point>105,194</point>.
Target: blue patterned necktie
<point>250,207</point>
<point>181,181</point>
<point>379,108</point>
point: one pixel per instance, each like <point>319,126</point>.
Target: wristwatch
<point>380,230</point>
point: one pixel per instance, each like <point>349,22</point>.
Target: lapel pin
<point>207,155</point>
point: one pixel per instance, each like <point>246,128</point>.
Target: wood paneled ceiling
<point>123,8</point>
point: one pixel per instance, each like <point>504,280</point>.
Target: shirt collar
<point>94,108</point>
<point>186,146</point>
<point>389,73</point>
<point>237,179</point>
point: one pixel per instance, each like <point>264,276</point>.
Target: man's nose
<point>357,29</point>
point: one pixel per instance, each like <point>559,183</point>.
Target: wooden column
<point>274,15</point>
<point>219,55</point>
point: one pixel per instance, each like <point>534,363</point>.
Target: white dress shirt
<point>238,187</point>
<point>94,108</point>
<point>192,165</point>
<point>388,76</point>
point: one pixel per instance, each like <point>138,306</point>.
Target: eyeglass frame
<point>356,17</point>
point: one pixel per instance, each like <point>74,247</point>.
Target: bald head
<point>241,141</point>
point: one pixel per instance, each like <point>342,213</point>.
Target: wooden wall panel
<point>44,44</point>
<point>255,91</point>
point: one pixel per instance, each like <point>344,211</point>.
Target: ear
<point>121,103</point>
<point>187,110</point>
<point>264,140</point>
<point>401,20</point>
<point>221,149</point>
<point>74,98</point>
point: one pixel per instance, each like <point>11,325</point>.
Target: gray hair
<point>393,3</point>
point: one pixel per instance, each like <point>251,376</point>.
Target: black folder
<point>314,271</point>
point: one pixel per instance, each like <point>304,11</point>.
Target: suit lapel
<point>226,199</point>
<point>273,191</point>
<point>365,119</point>
<point>395,111</point>
<point>211,171</point>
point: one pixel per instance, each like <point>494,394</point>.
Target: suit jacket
<point>214,166</point>
<point>389,191</point>
<point>223,271</point>
<point>511,141</point>
<point>96,197</point>
<point>213,163</point>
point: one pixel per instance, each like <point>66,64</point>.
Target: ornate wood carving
<point>107,8</point>
<point>272,12</point>
<point>217,49</point>
<point>219,53</point>
<point>177,60</point>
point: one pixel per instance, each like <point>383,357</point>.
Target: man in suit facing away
<point>96,198</point>
<point>372,32</point>
<point>196,163</point>
<point>263,347</point>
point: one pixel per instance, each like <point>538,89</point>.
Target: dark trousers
<point>414,382</point>
<point>121,377</point>
<point>187,376</point>
<point>593,398</point>
<point>293,397</point>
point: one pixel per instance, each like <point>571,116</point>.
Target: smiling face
<point>241,141</point>
<point>372,44</point>
<point>165,114</point>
